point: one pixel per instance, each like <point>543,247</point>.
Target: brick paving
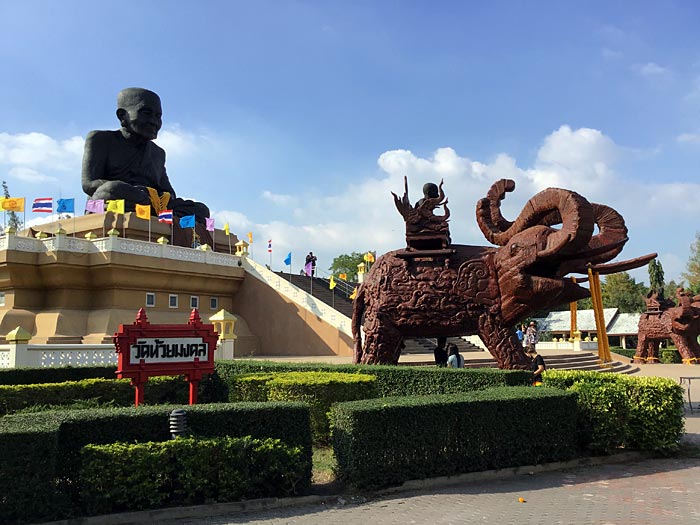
<point>658,491</point>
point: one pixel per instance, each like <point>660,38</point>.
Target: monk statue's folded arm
<point>94,161</point>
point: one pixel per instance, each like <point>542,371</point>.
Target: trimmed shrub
<point>656,413</point>
<point>250,387</point>
<point>42,451</point>
<point>319,389</point>
<point>386,441</point>
<point>604,413</point>
<point>391,380</point>
<point>627,352</point>
<point>117,392</point>
<point>670,355</point>
<point>655,421</point>
<point>121,477</point>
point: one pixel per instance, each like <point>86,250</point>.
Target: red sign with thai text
<point>145,350</point>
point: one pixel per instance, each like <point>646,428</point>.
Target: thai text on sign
<point>168,350</point>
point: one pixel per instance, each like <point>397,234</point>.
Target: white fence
<point>20,355</point>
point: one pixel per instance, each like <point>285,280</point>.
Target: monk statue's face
<point>140,112</point>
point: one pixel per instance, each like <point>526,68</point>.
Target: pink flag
<point>308,269</point>
<point>95,206</point>
<point>210,224</point>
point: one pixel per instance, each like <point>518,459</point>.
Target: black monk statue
<point>126,164</point>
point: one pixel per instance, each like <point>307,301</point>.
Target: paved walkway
<point>659,492</point>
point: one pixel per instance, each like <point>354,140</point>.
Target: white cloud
<point>278,199</point>
<point>40,152</point>
<point>610,54</point>
<point>176,142</point>
<point>649,69</point>
<point>30,175</point>
<point>689,138</point>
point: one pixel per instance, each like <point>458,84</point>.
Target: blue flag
<point>65,206</point>
<point>187,221</point>
<point>288,260</point>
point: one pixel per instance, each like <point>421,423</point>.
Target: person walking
<point>531,336</point>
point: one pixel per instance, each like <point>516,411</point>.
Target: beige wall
<point>285,328</point>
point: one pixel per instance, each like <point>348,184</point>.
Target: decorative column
<point>224,323</point>
<point>18,339</point>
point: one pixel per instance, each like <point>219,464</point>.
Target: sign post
<point>145,350</point>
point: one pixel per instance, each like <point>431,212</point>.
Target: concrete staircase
<point>338,297</point>
<point>577,361</point>
<point>422,345</point>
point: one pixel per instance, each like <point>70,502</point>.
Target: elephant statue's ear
<point>548,208</point>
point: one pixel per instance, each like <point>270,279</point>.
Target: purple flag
<point>95,206</point>
<point>308,269</point>
<point>210,224</point>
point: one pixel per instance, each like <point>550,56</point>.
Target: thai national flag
<point>166,216</point>
<point>269,246</point>
<point>43,205</point>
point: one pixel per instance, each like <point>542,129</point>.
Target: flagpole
<point>229,242</point>
<point>149,228</point>
<point>290,267</point>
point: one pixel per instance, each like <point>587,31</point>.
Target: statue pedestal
<point>131,227</point>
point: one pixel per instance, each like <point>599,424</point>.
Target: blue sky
<point>295,120</point>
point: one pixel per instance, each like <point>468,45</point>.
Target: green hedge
<point>670,355</point>
<point>391,380</point>
<point>603,413</point>
<point>118,392</point>
<point>215,388</point>
<point>386,441</point>
<point>655,405</point>
<point>319,389</point>
<point>122,477</point>
<point>41,451</point>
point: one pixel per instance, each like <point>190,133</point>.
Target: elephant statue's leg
<point>502,343</point>
<point>653,351</point>
<point>640,357</point>
<point>684,348</point>
<point>383,344</point>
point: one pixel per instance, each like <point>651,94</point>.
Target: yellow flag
<point>369,257</point>
<point>13,204</point>
<point>116,206</point>
<point>331,283</point>
<point>2,200</point>
<point>250,237</point>
<point>354,293</point>
<point>227,230</point>
<point>143,211</point>
<point>343,276</point>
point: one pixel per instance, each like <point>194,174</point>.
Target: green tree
<point>13,220</point>
<point>692,273</point>
<point>670,289</point>
<point>656,277</point>
<point>347,264</point>
<point>619,290</point>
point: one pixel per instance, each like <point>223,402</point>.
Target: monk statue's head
<point>139,112</point>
